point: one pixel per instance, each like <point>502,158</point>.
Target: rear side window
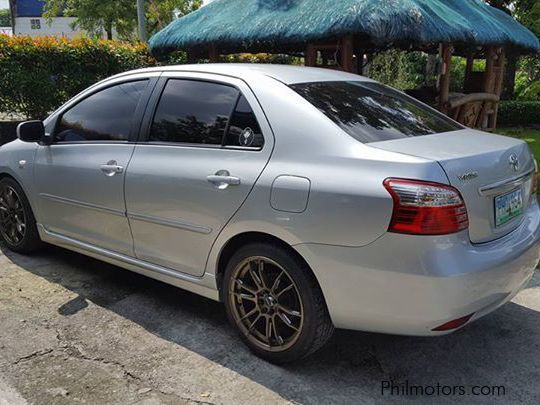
<point>372,112</point>
<point>104,116</point>
<point>193,112</point>
<point>244,130</point>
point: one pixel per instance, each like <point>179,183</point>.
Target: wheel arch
<point>241,239</point>
<point>7,175</point>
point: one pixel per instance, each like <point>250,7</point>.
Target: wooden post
<point>214,54</point>
<point>310,55</point>
<point>469,69</point>
<point>470,65</point>
<point>190,56</point>
<point>347,54</point>
<point>489,74</point>
<point>359,61</point>
<point>500,65</point>
<point>445,51</point>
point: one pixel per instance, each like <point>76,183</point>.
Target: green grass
<point>529,135</point>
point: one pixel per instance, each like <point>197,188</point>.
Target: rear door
<point>205,143</point>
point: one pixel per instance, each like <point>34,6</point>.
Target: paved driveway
<point>73,329</point>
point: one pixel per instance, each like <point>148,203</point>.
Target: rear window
<point>372,112</point>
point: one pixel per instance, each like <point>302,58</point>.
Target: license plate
<point>508,207</point>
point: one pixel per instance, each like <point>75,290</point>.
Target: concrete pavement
<point>76,330</point>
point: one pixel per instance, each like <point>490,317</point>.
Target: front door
<point>204,151</point>
<point>80,176</point>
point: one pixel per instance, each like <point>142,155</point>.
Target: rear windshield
<point>372,112</point>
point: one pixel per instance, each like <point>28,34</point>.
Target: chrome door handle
<point>111,168</point>
<point>223,179</point>
<point>230,180</point>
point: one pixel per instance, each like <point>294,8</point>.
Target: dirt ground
<point>75,330</point>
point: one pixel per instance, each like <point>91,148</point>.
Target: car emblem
<point>468,176</point>
<point>246,137</point>
<point>514,162</point>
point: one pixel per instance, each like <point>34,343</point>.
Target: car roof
<point>288,74</point>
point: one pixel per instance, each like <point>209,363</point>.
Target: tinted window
<point>104,116</point>
<point>193,112</point>
<point>244,129</point>
<point>372,112</point>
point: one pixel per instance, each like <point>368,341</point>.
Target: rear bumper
<point>408,285</point>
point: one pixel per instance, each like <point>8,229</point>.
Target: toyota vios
<point>304,199</point>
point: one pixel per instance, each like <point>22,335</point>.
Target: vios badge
<point>246,137</point>
<point>468,176</point>
<point>514,162</point>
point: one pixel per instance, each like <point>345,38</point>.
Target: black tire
<point>29,238</point>
<point>314,325</point>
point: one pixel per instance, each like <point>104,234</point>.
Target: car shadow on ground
<point>496,350</point>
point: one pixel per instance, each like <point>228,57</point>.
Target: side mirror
<point>31,131</point>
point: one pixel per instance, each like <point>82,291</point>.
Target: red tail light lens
<point>425,208</point>
<point>456,323</point>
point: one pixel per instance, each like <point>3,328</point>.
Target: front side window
<point>193,112</point>
<point>372,112</point>
<point>104,116</point>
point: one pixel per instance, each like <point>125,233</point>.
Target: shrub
<point>519,113</point>
<point>531,91</point>
<point>399,69</point>
<point>262,58</point>
<point>39,74</point>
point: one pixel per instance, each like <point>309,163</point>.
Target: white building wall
<point>39,26</point>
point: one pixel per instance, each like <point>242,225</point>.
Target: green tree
<point>97,16</point>
<point>528,13</point>
<point>160,13</point>
<point>5,18</point>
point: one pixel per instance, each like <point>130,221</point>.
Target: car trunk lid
<point>493,174</point>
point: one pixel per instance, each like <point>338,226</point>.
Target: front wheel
<point>273,300</point>
<point>17,223</point>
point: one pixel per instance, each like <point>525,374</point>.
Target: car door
<point>80,176</point>
<point>206,142</point>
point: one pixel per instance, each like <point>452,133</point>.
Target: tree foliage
<point>5,18</point>
<point>400,69</point>
<point>120,16</point>
<point>160,13</point>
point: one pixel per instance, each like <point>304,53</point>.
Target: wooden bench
<point>477,110</point>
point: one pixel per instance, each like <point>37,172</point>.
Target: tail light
<point>456,323</point>
<point>425,208</point>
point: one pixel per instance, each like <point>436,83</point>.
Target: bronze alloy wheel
<point>12,216</point>
<point>266,304</point>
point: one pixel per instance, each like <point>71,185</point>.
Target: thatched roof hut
<point>288,25</point>
<point>338,33</point>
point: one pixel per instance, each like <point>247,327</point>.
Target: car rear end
<point>490,201</point>
<point>454,250</point>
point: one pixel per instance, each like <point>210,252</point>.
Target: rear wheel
<point>275,303</point>
<point>17,223</point>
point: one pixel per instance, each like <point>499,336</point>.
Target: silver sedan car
<point>304,199</point>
